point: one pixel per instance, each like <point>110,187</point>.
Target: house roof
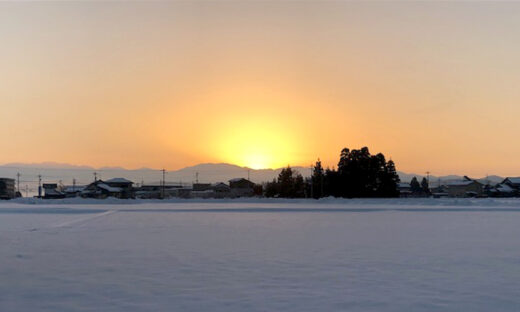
<point>77,188</point>
<point>504,188</point>
<point>514,180</point>
<point>460,183</point>
<point>237,179</point>
<point>119,180</point>
<point>109,188</point>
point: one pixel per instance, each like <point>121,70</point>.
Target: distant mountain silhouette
<point>434,180</point>
<point>47,165</point>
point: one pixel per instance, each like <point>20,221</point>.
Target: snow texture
<point>260,255</point>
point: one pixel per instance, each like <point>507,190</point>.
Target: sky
<point>432,85</point>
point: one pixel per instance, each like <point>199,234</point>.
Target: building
<point>125,185</point>
<point>513,182</point>
<point>502,190</point>
<point>405,189</point>
<point>221,190</point>
<point>241,187</point>
<point>50,191</point>
<point>73,190</point>
<point>118,188</point>
<point>465,188</point>
<point>7,188</point>
<point>200,187</point>
<point>155,191</point>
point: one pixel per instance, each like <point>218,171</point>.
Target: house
<point>50,191</point>
<point>405,189</point>
<point>7,188</point>
<point>156,190</point>
<point>119,188</point>
<point>199,187</point>
<point>241,187</point>
<point>125,185</point>
<point>203,194</point>
<point>513,182</point>
<point>502,190</point>
<point>221,190</point>
<point>210,190</point>
<point>73,190</point>
<point>465,188</point>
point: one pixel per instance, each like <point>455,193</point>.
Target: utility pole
<point>163,182</point>
<point>39,186</point>
<point>321,184</point>
<point>26,190</point>
<point>248,171</point>
<point>312,186</point>
<point>197,177</point>
<point>18,182</point>
<point>95,176</point>
<point>73,185</point>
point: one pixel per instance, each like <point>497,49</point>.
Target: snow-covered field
<point>260,255</point>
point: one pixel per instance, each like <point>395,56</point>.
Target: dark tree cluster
<point>290,184</point>
<point>419,189</point>
<point>359,174</point>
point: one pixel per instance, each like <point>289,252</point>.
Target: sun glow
<point>257,147</point>
<point>260,127</point>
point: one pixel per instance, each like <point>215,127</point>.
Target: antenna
<point>163,182</point>
<point>18,181</point>
<point>197,177</point>
<point>312,186</point>
<point>248,171</point>
<point>39,186</point>
<point>95,176</point>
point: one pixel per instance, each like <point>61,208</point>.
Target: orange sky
<point>261,84</point>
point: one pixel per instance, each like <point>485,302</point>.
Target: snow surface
<point>260,255</point>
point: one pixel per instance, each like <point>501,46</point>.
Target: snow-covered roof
<point>237,179</point>
<point>404,185</point>
<point>71,189</point>
<point>504,188</point>
<point>49,192</point>
<point>203,192</point>
<point>109,188</point>
<point>459,183</point>
<point>514,180</point>
<point>118,180</point>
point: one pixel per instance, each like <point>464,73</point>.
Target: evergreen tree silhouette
<point>317,180</point>
<point>415,187</point>
<point>425,186</point>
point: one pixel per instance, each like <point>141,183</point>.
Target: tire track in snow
<point>85,219</point>
<point>78,221</point>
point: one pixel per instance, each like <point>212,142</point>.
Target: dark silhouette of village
<point>359,174</point>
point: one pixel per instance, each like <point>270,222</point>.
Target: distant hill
<point>48,165</point>
<point>434,180</point>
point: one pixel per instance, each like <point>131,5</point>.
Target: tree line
<point>359,174</point>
